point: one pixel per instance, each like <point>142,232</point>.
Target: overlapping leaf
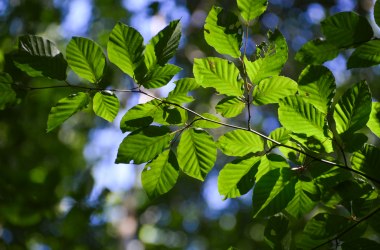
<point>276,230</point>
<point>160,175</point>
<point>282,135</point>
<point>374,119</point>
<point>144,144</point>
<point>250,10</point>
<point>366,55</point>
<point>7,94</point>
<point>346,29</point>
<point>196,153</point>
<point>352,111</point>
<point>86,58</point>
<point>240,143</point>
<point>367,160</point>
<point>325,225</point>
<point>316,52</point>
<point>65,108</point>
<point>180,93</point>
<point>268,163</point>
<point>223,32</point>
<point>125,49</point>
<point>271,90</point>
<point>106,105</point>
<point>159,76</point>
<point>273,192</point>
<point>202,123</point>
<point>233,172</point>
<point>38,56</point>
<point>304,200</point>
<point>218,73</point>
<point>230,107</point>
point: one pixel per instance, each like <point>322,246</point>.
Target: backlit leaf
<point>65,108</point>
<point>160,175</point>
<point>218,73</point>
<point>196,153</point>
<point>271,90</point>
<point>223,31</point>
<point>7,94</point>
<point>230,107</point>
<point>106,105</point>
<point>144,144</point>
<point>367,160</point>
<point>86,58</point>
<point>304,200</point>
<point>250,10</point>
<point>366,55</point>
<point>268,163</point>
<point>324,225</point>
<point>159,76</point>
<point>180,93</point>
<point>374,119</point>
<point>140,115</point>
<point>201,123</point>
<point>240,143</point>
<point>317,52</point>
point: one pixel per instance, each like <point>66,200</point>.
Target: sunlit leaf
<point>144,144</point>
<point>230,107</point>
<point>346,29</point>
<point>325,225</point>
<point>374,119</point>
<point>315,143</point>
<point>223,31</point>
<point>367,160</point>
<point>282,135</point>
<point>218,73</point>
<point>366,55</point>
<point>170,115</point>
<point>240,143</point>
<point>162,47</point>
<point>269,162</point>
<point>160,76</point>
<point>352,111</point>
<point>301,117</point>
<point>7,94</point>
<point>316,52</point>
<point>250,10</point>
<point>201,123</point>
<point>180,93</point>
<point>271,90</point>
<point>273,192</point>
<point>233,172</point>
<point>304,200</point>
<point>38,56</point>
<point>196,153</point>
<point>86,58</point>
<point>65,108</point>
<point>140,115</point>
<point>125,49</point>
<point>316,85</point>
<point>106,105</point>
<point>160,175</point>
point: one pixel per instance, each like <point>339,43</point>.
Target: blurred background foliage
<point>62,191</point>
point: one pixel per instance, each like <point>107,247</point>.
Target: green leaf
<point>315,143</point>
<point>346,29</point>
<point>140,116</point>
<point>273,192</point>
<point>125,49</point>
<point>201,123</point>
<point>326,176</point>
<point>106,105</point>
<point>275,230</point>
<point>86,58</point>
<point>160,76</point>
<point>7,94</point>
<point>316,85</point>
<point>316,52</point>
<point>160,175</point>
<point>376,12</point>
<point>271,90</point>
<point>367,160</point>
<point>230,107</point>
<point>218,73</point>
<point>170,115</point>
<point>282,135</point>
<point>250,10</point>
<point>270,162</point>
<point>232,174</point>
<point>353,142</point>
<point>223,31</point>
<point>144,144</point>
<point>365,55</point>
<point>271,63</point>
<point>374,119</point>
<point>196,153</point>
<point>38,56</point>
<point>324,225</point>
<point>352,111</point>
<point>162,47</point>
<point>360,243</point>
<point>65,108</point>
<point>182,87</point>
<point>301,117</point>
<point>304,200</point>
<point>240,143</point>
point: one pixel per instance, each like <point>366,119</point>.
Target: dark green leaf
<point>106,105</point>
<point>7,94</point>
<point>366,55</point>
<point>374,119</point>
<point>140,115</point>
<point>230,107</point>
<point>353,109</point>
<point>196,153</point>
<point>144,144</point>
<point>376,13</point>
<point>180,93</point>
<point>38,56</point>
<point>160,175</point>
<point>346,29</point>
<point>367,160</point>
<point>317,52</point>
<point>353,142</point>
<point>324,225</point>
<point>240,143</point>
<point>160,76</point>
<point>250,10</point>
<point>218,73</point>
<point>271,90</point>
<point>314,143</point>
<point>360,244</point>
<point>276,229</point>
<point>223,32</point>
<point>86,59</point>
<point>65,108</point>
